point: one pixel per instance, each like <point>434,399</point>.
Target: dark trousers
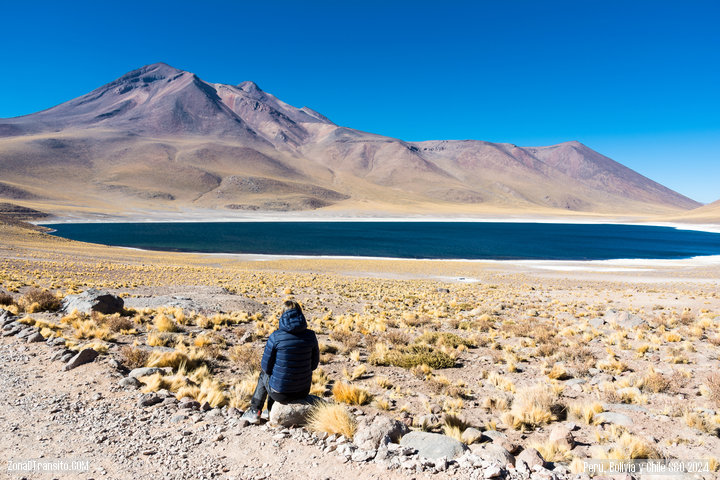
<point>263,391</point>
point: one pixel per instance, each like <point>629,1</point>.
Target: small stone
<point>149,399</point>
<point>205,407</point>
<point>562,437</point>
<point>35,337</point>
<point>493,471</point>
<point>531,457</point>
<point>471,435</point>
<point>86,355</point>
<point>178,418</point>
<point>363,455</point>
<point>189,405</point>
<point>144,372</point>
<point>130,382</point>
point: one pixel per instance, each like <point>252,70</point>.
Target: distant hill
<point>162,139</point>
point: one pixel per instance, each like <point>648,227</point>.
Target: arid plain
<point>624,354</point>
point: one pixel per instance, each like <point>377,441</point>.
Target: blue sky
<point>638,81</point>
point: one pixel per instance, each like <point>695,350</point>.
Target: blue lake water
<point>429,240</point>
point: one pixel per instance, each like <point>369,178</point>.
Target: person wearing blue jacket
<point>291,354</point>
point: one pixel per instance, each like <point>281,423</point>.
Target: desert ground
<point>622,355</point>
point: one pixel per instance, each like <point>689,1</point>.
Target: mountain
<point>709,213</point>
<point>162,139</point>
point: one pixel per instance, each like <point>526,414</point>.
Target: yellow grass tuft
<point>165,324</point>
<point>533,406</point>
<point>350,394</point>
<point>585,411</point>
<point>332,418</point>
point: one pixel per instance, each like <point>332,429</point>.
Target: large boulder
<point>293,414</point>
<point>371,432</point>
<point>93,300</point>
<point>433,445</point>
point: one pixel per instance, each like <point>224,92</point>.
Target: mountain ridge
<point>160,137</point>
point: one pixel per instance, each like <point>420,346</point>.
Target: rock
<point>623,319</point>
<point>205,407</point>
<point>471,435</point>
<point>293,414</point>
<point>86,355</point>
<point>189,405</point>
<point>26,332</point>
<point>433,445</point>
<point>616,418</point>
<point>149,399</point>
<point>561,436</point>
<point>494,471</point>
<point>178,418</point>
<point>371,431</point>
<point>59,354</point>
<point>130,382</point>
<point>494,435</point>
<point>6,317</point>
<point>596,322</point>
<point>363,455</point>
<point>494,454</point>
<point>35,337</point>
<point>531,457</point>
<point>67,356</point>
<point>427,421</point>
<point>93,300</point>
<point>144,372</point>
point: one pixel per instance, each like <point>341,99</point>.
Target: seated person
<point>291,354</point>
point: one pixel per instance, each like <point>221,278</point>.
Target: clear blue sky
<point>638,81</point>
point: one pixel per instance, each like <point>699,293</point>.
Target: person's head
<point>291,305</point>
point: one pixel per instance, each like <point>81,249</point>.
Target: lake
<point>426,240</point>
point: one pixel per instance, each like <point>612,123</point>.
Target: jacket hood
<point>293,321</point>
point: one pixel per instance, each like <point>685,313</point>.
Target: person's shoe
<point>265,414</point>
<point>252,415</point>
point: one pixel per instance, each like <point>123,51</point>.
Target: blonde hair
<point>291,305</point>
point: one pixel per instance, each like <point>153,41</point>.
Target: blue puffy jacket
<point>291,354</point>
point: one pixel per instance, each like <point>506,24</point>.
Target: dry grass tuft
<point>412,356</point>
<point>332,418</point>
<point>36,300</point>
<point>164,323</point>
<point>6,299</point>
<point>246,357</point>
<point>585,411</point>
<point>350,394</point>
<point>713,386</point>
<point>532,407</point>
<point>133,357</point>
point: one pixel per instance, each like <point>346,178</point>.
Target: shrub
<point>36,300</point>
<point>246,357</point>
<point>133,357</point>
<point>165,324</point>
<point>116,323</point>
<point>333,419</point>
<point>6,299</point>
